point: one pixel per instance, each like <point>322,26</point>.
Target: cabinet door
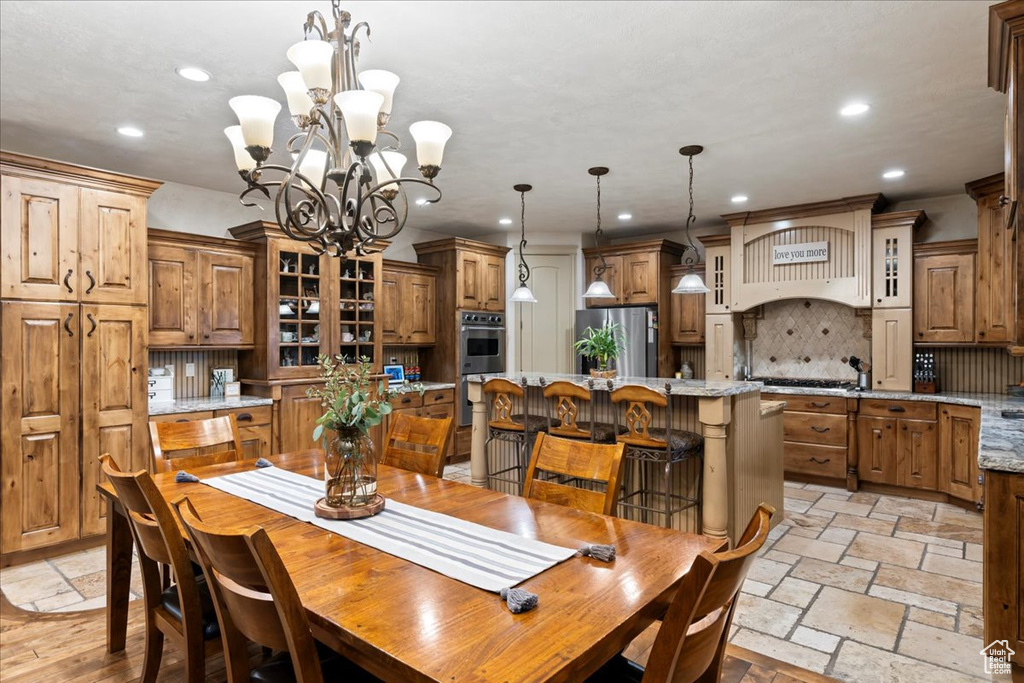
<point>718,279</point>
<point>39,374</point>
<point>298,414</point>
<point>391,307</point>
<point>225,299</point>
<point>255,442</point>
<point>39,240</point>
<point>471,276</point>
<point>891,349</point>
<point>995,273</point>
<point>172,296</point>
<point>418,310</point>
<point>687,323</point>
<point>1003,548</point>
<point>494,283</point>
<point>612,277</point>
<point>113,247</point>
<point>916,459</point>
<point>114,400</point>
<point>718,346</point>
<point>640,279</point>
<point>958,451</point>
<point>876,449</point>
<point>892,267</point>
<point>944,298</point>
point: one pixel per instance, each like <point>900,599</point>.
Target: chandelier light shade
<point>598,289</point>
<point>343,190</point>
<point>523,295</point>
<point>691,283</point>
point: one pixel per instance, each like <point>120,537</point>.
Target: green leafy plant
<point>603,344</point>
<point>351,398</point>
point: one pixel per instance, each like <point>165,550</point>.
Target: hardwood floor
<point>70,647</point>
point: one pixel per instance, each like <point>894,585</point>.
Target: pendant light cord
<point>524,270</point>
<point>599,270</point>
<point>690,259</point>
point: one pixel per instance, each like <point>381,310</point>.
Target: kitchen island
<point>742,463</point>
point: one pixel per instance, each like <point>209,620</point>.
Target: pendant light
<point>691,283</point>
<point>598,289</point>
<point>523,295</point>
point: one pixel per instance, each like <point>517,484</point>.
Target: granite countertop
<point>677,387</point>
<point>427,386</point>
<point>1001,439</point>
<point>204,403</point>
<point>772,407</point>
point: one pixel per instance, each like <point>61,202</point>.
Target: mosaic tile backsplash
<point>808,338</point>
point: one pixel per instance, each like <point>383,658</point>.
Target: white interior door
<point>544,333</point>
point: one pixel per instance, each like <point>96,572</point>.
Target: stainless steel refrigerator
<point>640,327</point>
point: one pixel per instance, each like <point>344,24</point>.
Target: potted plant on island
<point>354,402</point>
<point>603,345</point>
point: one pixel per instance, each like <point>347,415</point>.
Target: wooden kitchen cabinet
<point>40,463</point>
<point>892,265</point>
<point>640,278</point>
<point>638,273</point>
<point>298,414</point>
<point>897,443</point>
<point>172,302</point>
<point>944,283</point>
<point>481,278</point>
<point>718,272</point>
<point>916,462</point>
<point>719,347</point>
<point>612,277</point>
<point>892,349</point>
<point>958,451</point>
<point>876,449</point>
<point>408,303</point>
<point>112,247</point>
<point>686,320</point>
<point>1003,562</point>
<point>996,272</point>
<point>225,299</point>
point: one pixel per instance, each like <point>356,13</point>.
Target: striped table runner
<point>480,556</point>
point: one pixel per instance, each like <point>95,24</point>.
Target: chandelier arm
<point>397,146</point>
<point>315,22</point>
<point>374,192</point>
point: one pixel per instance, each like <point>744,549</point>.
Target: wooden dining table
<point>403,622</point>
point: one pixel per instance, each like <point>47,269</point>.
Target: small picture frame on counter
<point>395,373</point>
<point>232,389</point>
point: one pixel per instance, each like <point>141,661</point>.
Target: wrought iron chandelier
<point>342,192</point>
<point>523,295</point>
<point>691,283</point>
<point>598,289</point>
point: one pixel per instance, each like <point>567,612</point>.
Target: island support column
<point>714,415</point>
<point>478,448</point>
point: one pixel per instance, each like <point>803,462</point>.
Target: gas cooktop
<point>801,382</point>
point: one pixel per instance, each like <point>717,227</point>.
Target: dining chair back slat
<point>183,445</point>
<point>418,444</point>
<point>575,459</point>
<point>253,594</point>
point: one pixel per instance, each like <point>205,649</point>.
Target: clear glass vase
<point>351,471</point>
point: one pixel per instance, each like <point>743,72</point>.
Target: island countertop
<point>677,387</point>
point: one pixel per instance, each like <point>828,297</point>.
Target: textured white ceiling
<point>538,92</point>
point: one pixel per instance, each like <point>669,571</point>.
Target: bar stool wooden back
<point>652,453</point>
<point>509,421</point>
<point>564,407</point>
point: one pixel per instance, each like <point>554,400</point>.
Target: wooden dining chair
<point>184,610</point>
<point>256,600</point>
<point>690,642</point>
<point>418,444</point>
<point>580,462</point>
<point>181,445</point>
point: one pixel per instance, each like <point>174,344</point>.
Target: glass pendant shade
<point>394,159</point>
<point>299,101</point>
<point>243,160</point>
<point>691,283</point>
<point>359,109</point>
<point>598,289</point>
<point>430,137</point>
<point>523,295</point>
<point>313,60</point>
<point>381,82</point>
<point>256,115</point>
<point>313,166</point>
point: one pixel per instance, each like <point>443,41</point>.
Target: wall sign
<point>808,252</point>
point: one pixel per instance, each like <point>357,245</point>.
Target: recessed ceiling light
<point>505,221</point>
<point>130,131</point>
<point>422,201</point>
<point>739,199</point>
<point>895,173</point>
<point>854,109</point>
<point>625,216</point>
<point>193,73</point>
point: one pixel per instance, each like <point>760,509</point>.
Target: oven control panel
<point>482,319</point>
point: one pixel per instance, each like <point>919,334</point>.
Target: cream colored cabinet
<point>892,267</point>
<point>718,273</point>
<point>944,297</point>
<point>891,349</point>
<point>720,337</point>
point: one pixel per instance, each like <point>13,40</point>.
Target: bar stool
<point>650,449</point>
<point>563,410</point>
<point>511,425</point>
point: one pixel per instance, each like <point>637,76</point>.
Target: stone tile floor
<point>861,587</point>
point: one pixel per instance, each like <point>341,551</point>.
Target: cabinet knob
<point>206,336</point>
<point>243,417</point>
<point>191,336</point>
<point>981,333</point>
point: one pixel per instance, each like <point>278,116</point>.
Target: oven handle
<point>481,327</point>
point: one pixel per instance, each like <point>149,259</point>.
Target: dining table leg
<point>119,577</point>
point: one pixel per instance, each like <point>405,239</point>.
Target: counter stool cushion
<point>171,602</point>
<point>536,423</point>
<point>682,442</point>
<point>604,432</point>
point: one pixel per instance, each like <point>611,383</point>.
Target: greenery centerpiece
<point>603,345</point>
<point>354,403</point>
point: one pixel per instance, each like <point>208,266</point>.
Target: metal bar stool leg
<point>667,474</point>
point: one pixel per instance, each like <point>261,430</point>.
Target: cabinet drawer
<point>408,400</point>
<point>824,461</point>
<point>815,428</point>
<point>908,410</point>
<point>438,410</point>
<point>438,396</point>
<point>160,383</point>
<point>810,404</point>
<point>247,417</point>
<point>182,417</point>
